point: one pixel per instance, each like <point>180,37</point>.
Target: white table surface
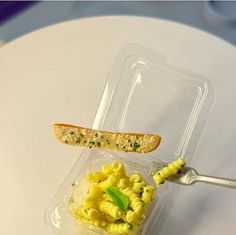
<point>58,74</point>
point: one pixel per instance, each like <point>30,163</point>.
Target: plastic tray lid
<point>145,94</point>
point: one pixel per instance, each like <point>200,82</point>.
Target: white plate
<point>58,74</point>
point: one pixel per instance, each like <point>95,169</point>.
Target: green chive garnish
<point>120,199</point>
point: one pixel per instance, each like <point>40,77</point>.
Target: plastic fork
<point>189,176</point>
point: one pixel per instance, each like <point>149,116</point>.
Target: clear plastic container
<point>143,93</point>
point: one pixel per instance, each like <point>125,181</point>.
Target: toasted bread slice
<point>128,142</point>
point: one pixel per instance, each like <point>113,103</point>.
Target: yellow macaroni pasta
<point>168,170</point>
<point>110,209</point>
<point>100,209</point>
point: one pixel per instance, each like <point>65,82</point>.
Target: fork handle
<point>230,183</point>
